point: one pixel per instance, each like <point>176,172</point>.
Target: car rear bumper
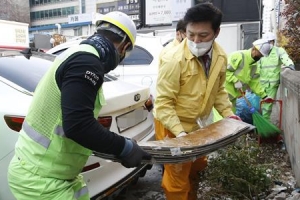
<point>115,189</point>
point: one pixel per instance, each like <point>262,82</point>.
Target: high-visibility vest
<point>243,66</point>
<point>270,66</point>
<point>42,147</point>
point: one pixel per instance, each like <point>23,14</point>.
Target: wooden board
<point>193,145</point>
<point>202,137</point>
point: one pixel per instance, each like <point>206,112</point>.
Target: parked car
<point>140,66</point>
<point>20,73</point>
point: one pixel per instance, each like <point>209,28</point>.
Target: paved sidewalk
<point>147,187</point>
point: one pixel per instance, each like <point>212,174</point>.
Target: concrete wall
<point>290,95</point>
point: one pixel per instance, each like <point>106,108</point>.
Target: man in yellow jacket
<point>180,36</point>
<point>187,90</point>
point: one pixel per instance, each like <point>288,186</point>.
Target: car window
<point>138,56</point>
<point>26,71</point>
<point>22,71</point>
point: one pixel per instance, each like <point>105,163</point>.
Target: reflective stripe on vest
<point>253,72</point>
<point>35,136</point>
<point>270,66</point>
<point>39,138</point>
<point>83,191</point>
<point>268,81</point>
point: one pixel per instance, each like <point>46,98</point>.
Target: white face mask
<point>199,49</point>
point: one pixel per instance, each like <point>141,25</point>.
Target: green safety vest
<point>42,147</point>
<point>243,66</point>
<point>270,67</point>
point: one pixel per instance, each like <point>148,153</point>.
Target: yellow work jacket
<point>167,48</point>
<point>184,93</point>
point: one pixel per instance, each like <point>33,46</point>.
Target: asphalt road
<point>147,187</point>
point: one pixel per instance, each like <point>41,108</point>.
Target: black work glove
<point>134,156</point>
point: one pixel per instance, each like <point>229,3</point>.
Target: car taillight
<point>149,103</point>
<point>14,122</point>
<point>90,167</point>
<point>105,121</point>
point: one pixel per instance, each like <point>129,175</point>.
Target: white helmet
<point>122,21</point>
<point>269,36</point>
<point>263,46</point>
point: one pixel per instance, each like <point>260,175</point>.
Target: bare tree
<point>291,29</point>
<point>15,10</point>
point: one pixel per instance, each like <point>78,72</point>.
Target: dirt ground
<point>272,154</point>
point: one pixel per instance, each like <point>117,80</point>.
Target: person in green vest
<point>60,130</point>
<point>270,68</point>
<point>242,73</point>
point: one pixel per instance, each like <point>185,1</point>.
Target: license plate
<point>131,119</point>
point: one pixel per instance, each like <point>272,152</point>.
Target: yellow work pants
<point>180,181</point>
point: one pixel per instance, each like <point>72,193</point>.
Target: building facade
<point>75,17</point>
<point>59,16</point>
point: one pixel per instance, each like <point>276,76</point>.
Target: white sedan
<point>140,66</point>
<point>19,75</point>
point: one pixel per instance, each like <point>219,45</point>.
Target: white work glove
<point>238,85</point>
<point>181,134</point>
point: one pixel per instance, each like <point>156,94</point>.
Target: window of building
<point>69,11</point>
<point>50,13</point>
<point>64,11</point>
<point>53,13</point>
<point>46,14</point>
<point>38,15</point>
<point>59,12</point>
<point>77,31</point>
<point>83,6</point>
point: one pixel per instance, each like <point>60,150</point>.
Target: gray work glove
<point>132,154</point>
<point>238,85</point>
<point>291,67</point>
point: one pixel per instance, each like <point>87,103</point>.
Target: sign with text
<point>158,12</point>
<point>179,8</point>
<point>14,34</point>
<point>78,18</point>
